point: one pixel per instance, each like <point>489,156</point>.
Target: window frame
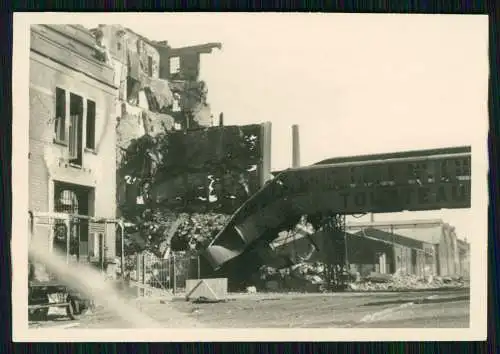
<point>81,128</point>
<point>176,59</point>
<point>86,145</point>
<point>68,91</point>
<point>57,139</point>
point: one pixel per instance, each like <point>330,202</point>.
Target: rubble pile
<point>310,277</point>
<point>396,282</point>
<point>199,229</point>
<point>300,277</point>
<point>155,225</point>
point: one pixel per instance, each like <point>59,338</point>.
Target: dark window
<point>118,45</point>
<point>90,141</point>
<point>75,130</point>
<point>133,88</point>
<point>60,119</point>
<point>150,66</point>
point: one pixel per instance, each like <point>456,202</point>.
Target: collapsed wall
<point>153,97</point>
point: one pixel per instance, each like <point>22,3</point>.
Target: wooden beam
<point>200,49</point>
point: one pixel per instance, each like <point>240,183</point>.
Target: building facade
<point>439,240</point>
<point>72,131</point>
<point>404,256</point>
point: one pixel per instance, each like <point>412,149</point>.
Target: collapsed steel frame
<point>444,174</point>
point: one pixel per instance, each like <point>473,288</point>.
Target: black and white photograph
<point>186,176</point>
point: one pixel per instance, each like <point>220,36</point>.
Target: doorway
<point>74,200</point>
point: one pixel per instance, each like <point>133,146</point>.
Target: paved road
<point>430,309</point>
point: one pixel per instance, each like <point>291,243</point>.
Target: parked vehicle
<point>63,232</point>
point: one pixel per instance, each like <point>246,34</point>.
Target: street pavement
<point>422,309</point>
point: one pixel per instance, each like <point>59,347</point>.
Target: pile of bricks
<point>405,282</point>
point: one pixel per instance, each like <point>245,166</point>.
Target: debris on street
<point>405,282</point>
<point>308,277</point>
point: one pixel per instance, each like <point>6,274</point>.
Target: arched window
<point>66,202</point>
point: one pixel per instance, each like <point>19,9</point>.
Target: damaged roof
<point>199,48</point>
<point>391,237</point>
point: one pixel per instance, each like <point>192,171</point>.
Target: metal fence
<point>149,272</point>
<point>80,237</point>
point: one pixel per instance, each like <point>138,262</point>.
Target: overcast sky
<point>355,84</point>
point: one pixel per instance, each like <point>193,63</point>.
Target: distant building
<point>419,247</point>
<point>407,256</point>
<point>72,132</point>
<point>440,238</point>
<point>366,250</point>
<point>464,258</point>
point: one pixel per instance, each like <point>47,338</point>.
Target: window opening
<point>91,118</point>
<point>175,65</point>
<point>150,65</point>
<point>60,119</point>
<point>75,130</point>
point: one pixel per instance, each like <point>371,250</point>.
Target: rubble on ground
<point>301,277</point>
<point>396,282</point>
<point>310,277</point>
<point>251,289</point>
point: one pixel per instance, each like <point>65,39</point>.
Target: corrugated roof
<point>424,230</point>
<point>391,237</point>
<point>429,235</point>
<point>400,154</point>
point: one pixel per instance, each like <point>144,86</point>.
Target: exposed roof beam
<point>200,49</point>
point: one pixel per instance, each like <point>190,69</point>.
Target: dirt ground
<point>342,310</point>
<point>444,309</point>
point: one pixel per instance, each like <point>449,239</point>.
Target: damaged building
<point>419,248</point>
<point>159,88</point>
<point>72,140</point>
<point>366,251</point>
<point>448,255</point>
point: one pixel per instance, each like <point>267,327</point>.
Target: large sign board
<point>386,183</point>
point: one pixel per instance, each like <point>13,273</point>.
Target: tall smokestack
<point>265,165</point>
<point>221,119</point>
<point>295,146</point>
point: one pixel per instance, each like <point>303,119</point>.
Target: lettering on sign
<point>391,173</point>
<point>411,197</point>
<point>387,199</point>
<point>401,185</point>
